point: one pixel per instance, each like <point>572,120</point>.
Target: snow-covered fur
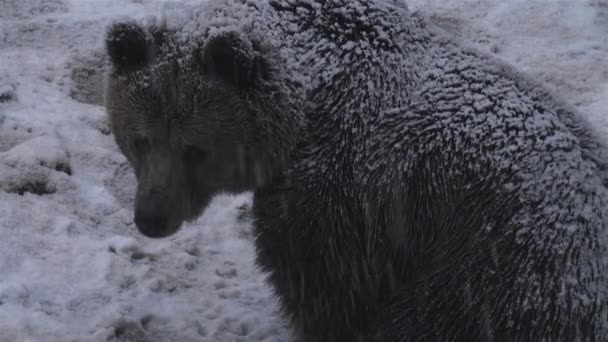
<point>431,194</point>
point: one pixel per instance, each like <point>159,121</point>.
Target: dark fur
<point>431,194</point>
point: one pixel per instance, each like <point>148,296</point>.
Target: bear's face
<point>185,127</point>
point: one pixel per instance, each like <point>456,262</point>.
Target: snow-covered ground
<point>73,267</point>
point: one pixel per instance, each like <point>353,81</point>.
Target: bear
<point>406,187</point>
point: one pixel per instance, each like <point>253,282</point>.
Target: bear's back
<point>376,116</point>
<point>477,118</point>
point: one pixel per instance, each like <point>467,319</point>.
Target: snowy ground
<point>72,266</point>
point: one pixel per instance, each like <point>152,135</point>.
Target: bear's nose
<point>150,216</point>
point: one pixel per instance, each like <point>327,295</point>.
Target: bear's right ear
<point>128,46</point>
<point>228,58</point>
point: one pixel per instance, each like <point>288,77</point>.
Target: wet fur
<point>405,207</point>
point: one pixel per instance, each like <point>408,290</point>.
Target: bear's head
<point>195,119</point>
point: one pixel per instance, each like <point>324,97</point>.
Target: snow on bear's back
<point>477,112</point>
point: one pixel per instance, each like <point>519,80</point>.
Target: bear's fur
<point>407,188</point>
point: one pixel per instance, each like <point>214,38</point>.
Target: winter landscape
<point>73,266</point>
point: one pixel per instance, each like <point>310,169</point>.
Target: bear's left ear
<point>128,46</point>
<point>228,58</point>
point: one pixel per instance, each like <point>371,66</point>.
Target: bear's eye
<point>141,145</point>
<point>193,154</point>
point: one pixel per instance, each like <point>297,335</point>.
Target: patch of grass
<point>38,187</point>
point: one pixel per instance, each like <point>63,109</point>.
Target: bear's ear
<point>128,46</point>
<point>228,58</point>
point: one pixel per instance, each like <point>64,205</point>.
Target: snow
<point>560,42</point>
<point>72,265</point>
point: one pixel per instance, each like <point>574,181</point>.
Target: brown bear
<point>406,188</point>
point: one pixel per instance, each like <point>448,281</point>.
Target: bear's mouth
<point>161,221</point>
<point>158,228</point>
<point>157,233</point>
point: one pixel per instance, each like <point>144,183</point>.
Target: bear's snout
<point>151,216</point>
